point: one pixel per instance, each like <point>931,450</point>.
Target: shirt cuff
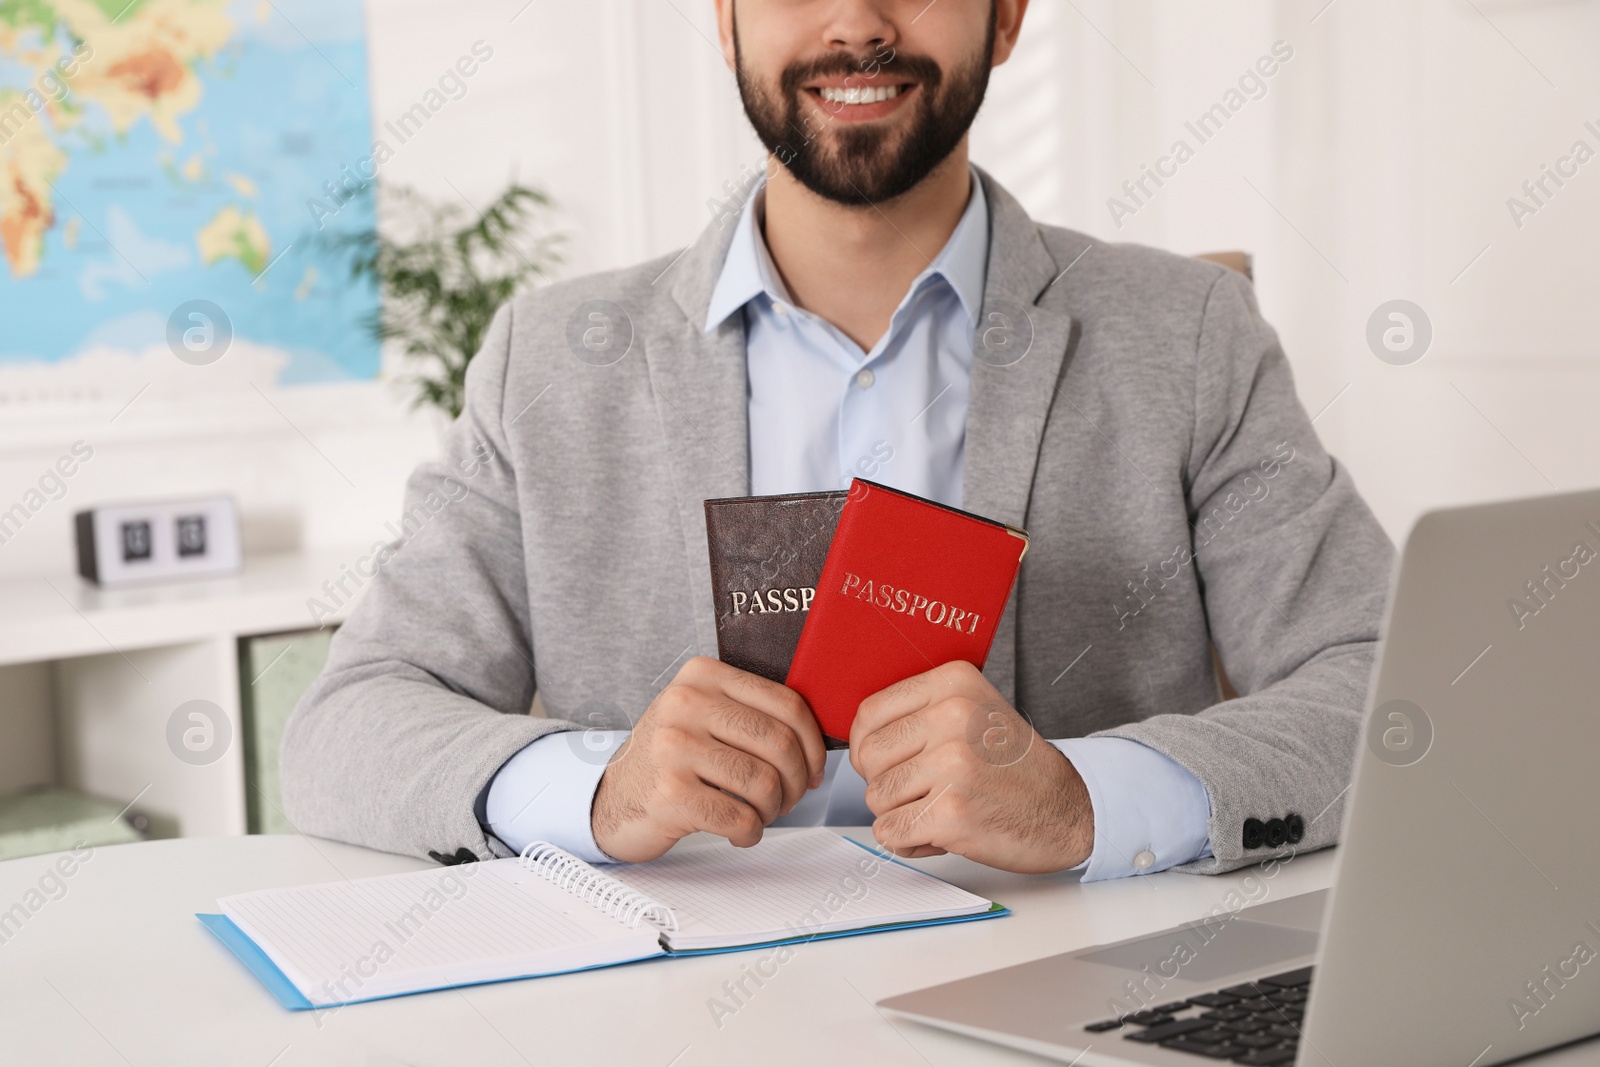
<point>1150,813</point>
<point>546,791</point>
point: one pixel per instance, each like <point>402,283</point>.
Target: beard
<point>860,165</point>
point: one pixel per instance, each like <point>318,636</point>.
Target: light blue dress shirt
<point>821,412</point>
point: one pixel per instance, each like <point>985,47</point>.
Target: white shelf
<point>62,616</point>
<point>90,677</point>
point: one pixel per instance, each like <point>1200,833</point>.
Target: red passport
<point>908,585</point>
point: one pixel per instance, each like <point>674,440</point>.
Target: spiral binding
<point>628,906</point>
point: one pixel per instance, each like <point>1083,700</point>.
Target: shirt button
<point>780,307</point>
<point>865,378</point>
<point>1145,860</point>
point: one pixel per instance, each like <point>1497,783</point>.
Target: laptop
<point>1463,925</point>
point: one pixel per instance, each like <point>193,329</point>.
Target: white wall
<point>1376,167</point>
<point>1380,159</point>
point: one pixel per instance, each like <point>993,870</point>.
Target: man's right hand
<point>714,731</point>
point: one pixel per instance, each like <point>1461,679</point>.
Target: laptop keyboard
<point>1256,1024</point>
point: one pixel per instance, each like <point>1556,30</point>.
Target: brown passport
<point>766,555</point>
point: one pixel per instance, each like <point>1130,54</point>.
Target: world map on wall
<point>158,155</point>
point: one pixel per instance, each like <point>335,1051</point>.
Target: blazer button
<point>1255,833</point>
<point>1277,833</point>
<point>1297,829</point>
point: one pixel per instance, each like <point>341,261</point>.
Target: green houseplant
<point>443,269</point>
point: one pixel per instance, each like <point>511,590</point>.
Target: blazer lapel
<point>1019,354</point>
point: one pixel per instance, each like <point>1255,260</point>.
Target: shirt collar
<point>748,270</point>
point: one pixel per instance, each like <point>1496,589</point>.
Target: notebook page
<point>401,933</point>
<point>790,885</point>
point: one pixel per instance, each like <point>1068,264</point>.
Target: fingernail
<point>816,780</point>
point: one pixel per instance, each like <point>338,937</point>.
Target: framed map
<point>165,169</point>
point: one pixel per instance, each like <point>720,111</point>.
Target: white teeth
<point>856,95</point>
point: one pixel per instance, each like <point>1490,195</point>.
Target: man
<point>878,307</point>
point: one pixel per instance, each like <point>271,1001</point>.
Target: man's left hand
<point>950,766</point>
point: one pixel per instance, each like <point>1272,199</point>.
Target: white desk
<point>118,971</point>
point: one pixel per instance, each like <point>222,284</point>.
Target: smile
<point>859,95</point>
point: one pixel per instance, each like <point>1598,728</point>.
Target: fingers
<point>703,807</point>
<point>770,742</point>
<point>718,750</point>
<point>886,705</point>
<point>889,745</point>
<point>778,702</point>
<point>924,827</point>
<point>920,852</point>
<point>786,706</point>
<point>956,678</point>
<point>752,780</point>
<point>900,785</point>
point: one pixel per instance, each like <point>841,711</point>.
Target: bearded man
<point>881,307</point>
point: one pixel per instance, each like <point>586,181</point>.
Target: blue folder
<point>284,991</point>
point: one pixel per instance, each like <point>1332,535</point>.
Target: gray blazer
<point>1134,414</point>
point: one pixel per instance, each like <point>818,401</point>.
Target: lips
<point>848,101</point>
<point>856,94</point>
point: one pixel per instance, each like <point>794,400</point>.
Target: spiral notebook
<point>548,912</point>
